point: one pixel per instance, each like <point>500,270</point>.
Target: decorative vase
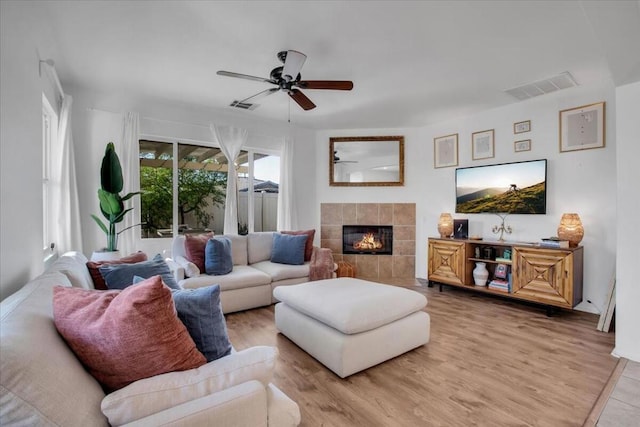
<point>480,274</point>
<point>103,255</point>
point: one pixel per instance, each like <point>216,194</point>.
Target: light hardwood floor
<point>490,362</point>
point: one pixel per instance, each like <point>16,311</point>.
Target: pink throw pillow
<point>94,268</point>
<point>124,336</point>
<point>308,247</point>
<point>194,246</point>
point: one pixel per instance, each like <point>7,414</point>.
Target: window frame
<point>175,144</point>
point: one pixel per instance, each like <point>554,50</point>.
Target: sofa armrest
<point>322,265</point>
<point>152,395</point>
<point>243,405</point>
<point>176,270</point>
<point>283,412</point>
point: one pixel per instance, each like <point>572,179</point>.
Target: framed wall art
<point>482,144</point>
<point>445,151</point>
<point>523,145</point>
<point>582,128</point>
<point>522,127</point>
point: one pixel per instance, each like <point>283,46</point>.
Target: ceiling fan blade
<point>302,99</point>
<point>260,95</point>
<point>326,84</point>
<point>293,64</point>
<point>244,76</point>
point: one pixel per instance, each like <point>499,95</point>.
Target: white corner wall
<point>628,173</point>
<point>579,181</point>
<point>24,41</point>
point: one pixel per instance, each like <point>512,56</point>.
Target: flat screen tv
<point>512,188</point>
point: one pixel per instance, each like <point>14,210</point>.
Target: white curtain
<point>67,235</point>
<point>131,173</point>
<point>231,140</point>
<point>286,215</point>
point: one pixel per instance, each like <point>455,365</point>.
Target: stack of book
<point>554,242</point>
<point>499,285</point>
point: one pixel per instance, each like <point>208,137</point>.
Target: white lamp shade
<point>293,64</point>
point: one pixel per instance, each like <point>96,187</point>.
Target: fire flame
<point>368,242</point>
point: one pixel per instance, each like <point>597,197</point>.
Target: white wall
<point>627,289</point>
<point>582,181</point>
<point>24,41</point>
<point>98,120</point>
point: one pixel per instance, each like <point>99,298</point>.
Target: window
<point>263,177</point>
<point>156,183</point>
<point>196,203</point>
<point>49,134</point>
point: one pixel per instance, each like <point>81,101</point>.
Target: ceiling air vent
<point>541,87</point>
<point>243,105</point>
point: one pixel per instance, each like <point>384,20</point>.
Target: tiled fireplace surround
<point>402,216</point>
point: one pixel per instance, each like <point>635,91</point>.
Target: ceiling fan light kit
<point>293,63</point>
<point>287,78</point>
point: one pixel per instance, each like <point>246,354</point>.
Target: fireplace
<point>367,239</point>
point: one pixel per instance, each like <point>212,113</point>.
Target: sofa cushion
<point>259,246</point>
<point>190,269</point>
<point>308,247</point>
<point>74,266</point>
<point>200,311</point>
<point>194,248</point>
<point>124,336</point>
<point>288,249</point>
<point>152,395</point>
<point>282,271</point>
<point>217,256</point>
<point>242,276</point>
<point>94,267</point>
<point>177,247</point>
<point>41,380</point>
<point>120,276</point>
<point>351,305</point>
<point>238,249</point>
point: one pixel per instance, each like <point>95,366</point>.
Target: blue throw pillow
<point>120,276</point>
<point>288,249</point>
<point>217,256</point>
<point>201,312</point>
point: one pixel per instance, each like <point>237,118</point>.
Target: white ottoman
<point>351,324</point>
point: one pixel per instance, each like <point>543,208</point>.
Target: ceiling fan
<point>287,78</point>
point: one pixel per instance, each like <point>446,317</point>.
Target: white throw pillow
<point>155,394</point>
<point>190,269</point>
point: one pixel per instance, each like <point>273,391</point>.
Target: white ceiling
<point>412,63</point>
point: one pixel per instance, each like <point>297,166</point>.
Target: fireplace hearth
<point>367,239</point>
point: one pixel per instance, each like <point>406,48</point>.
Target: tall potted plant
<point>111,203</point>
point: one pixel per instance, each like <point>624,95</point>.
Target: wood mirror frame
<point>380,160</point>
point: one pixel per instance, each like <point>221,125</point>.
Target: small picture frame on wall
<point>523,145</point>
<point>445,151</point>
<point>582,128</point>
<point>522,127</point>
<point>482,144</point>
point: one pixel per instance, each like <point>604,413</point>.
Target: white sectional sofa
<point>254,276</point>
<point>42,383</point>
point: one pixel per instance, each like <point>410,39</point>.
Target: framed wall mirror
<point>361,161</point>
